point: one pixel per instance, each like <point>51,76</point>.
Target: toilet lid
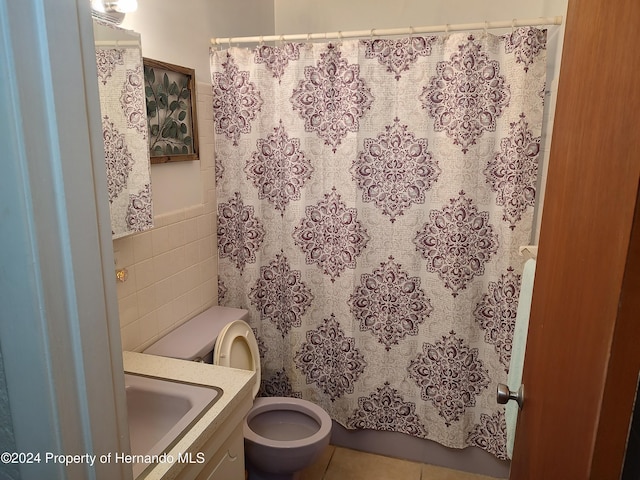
<point>237,347</point>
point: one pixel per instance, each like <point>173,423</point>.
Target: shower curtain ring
<point>411,30</point>
<point>372,33</point>
<point>513,25</point>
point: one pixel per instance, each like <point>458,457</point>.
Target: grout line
<point>326,469</point>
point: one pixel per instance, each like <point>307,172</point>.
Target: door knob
<point>504,395</point>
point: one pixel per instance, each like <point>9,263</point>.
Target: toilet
<point>282,435</point>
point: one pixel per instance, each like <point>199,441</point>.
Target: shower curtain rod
<point>374,32</point>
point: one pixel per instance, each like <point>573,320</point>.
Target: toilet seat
<point>237,347</point>
<point>265,405</point>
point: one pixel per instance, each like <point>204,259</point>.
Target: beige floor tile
<point>318,469</point>
<point>431,472</point>
<point>354,465</point>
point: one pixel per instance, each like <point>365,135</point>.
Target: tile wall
<point>172,268</point>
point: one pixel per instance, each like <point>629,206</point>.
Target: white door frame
<point>59,327</point>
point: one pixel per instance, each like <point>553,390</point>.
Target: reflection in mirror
<point>124,128</point>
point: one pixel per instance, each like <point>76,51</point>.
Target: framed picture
<point>171,111</point>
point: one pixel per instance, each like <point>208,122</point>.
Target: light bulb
<point>98,6</point>
<point>120,6</point>
<point>125,6</point>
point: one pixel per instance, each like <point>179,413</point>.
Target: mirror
<point>124,128</point>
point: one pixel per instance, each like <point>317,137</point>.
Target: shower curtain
<point>124,132</point>
<point>372,195</point>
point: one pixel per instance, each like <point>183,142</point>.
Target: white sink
<point>160,410</point>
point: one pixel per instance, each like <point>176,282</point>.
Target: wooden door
<point>582,363</point>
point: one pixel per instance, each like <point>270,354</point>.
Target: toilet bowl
<point>282,435</point>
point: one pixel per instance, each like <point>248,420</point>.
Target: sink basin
<point>160,410</point>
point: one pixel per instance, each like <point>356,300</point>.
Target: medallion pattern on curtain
<point>124,129</point>
<point>372,196</point>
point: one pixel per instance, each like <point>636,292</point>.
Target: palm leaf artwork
<point>170,112</point>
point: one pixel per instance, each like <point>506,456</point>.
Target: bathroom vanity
<point>212,447</point>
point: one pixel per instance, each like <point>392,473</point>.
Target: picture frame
<point>172,118</point>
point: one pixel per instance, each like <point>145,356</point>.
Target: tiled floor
<point>338,463</point>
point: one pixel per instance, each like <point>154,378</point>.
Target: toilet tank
<point>194,340</point>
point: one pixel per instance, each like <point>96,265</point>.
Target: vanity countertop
<point>235,384</point>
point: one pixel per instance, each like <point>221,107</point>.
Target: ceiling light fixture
<point>122,6</point>
<point>113,11</point>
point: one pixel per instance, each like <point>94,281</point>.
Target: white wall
<point>302,16</point>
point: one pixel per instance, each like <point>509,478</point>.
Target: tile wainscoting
<point>172,268</point>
